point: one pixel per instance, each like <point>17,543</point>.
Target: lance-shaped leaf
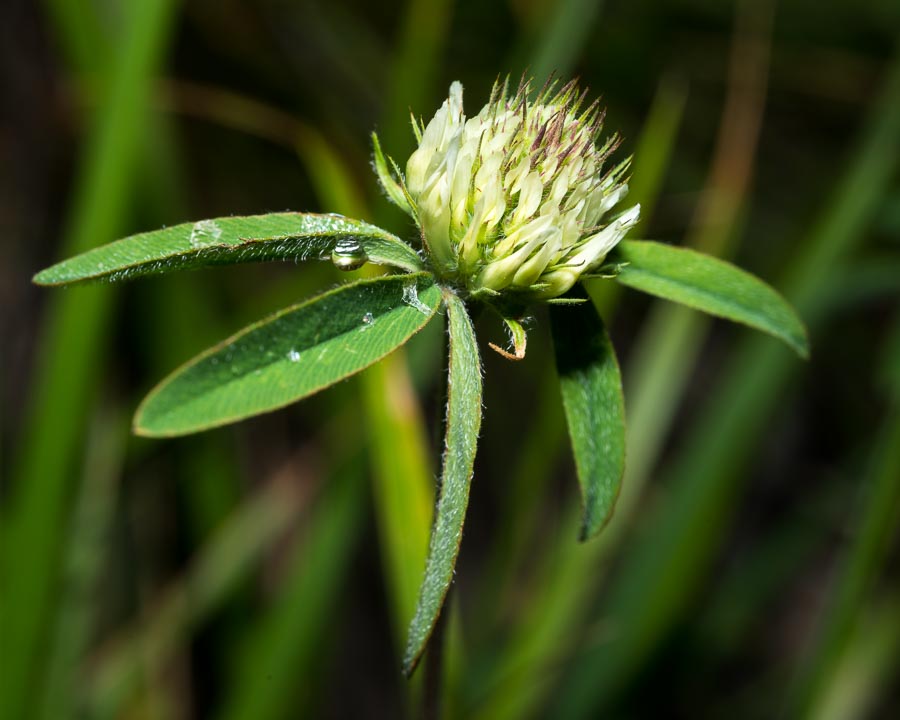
<point>394,190</point>
<point>463,425</point>
<point>591,387</point>
<point>230,240</point>
<point>294,353</point>
<point>711,285</point>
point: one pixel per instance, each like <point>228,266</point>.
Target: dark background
<point>266,570</point>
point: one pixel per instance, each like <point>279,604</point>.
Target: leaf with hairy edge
<point>230,240</point>
<point>711,285</point>
<point>463,425</point>
<point>290,355</point>
<point>393,189</point>
<point>591,387</point>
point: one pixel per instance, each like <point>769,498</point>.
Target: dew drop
<point>205,232</point>
<point>411,298</point>
<point>348,254</point>
<point>293,355</point>
<point>368,321</point>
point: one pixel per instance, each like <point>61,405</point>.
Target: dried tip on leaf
<point>518,338</point>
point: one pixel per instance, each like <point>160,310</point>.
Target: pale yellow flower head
<point>514,199</point>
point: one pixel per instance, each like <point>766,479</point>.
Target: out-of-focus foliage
<point>750,568</point>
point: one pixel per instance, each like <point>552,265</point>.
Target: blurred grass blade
<point>416,61</point>
<point>277,674</point>
<point>889,373</point>
<point>863,563</point>
<point>867,672</point>
<point>591,386</point>
<point>68,360</point>
<point>862,567</point>
<point>670,341</point>
<point>78,617</point>
<point>230,240</point>
<point>711,285</point>
<point>669,561</point>
<point>655,144</point>
<point>87,49</point>
<point>557,36</point>
<point>463,424</point>
<point>232,552</point>
<point>290,355</point>
<point>402,482</point>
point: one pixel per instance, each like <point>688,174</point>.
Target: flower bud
<point>514,199</point>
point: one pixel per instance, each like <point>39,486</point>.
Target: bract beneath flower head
<point>514,200</point>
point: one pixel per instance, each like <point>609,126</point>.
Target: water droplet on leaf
<point>293,355</point>
<point>348,254</point>
<point>205,232</point>
<point>411,298</point>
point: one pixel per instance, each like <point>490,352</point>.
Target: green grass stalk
<point>69,359</point>
<point>656,584</point>
<point>861,565</point>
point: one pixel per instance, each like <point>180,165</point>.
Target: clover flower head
<point>514,200</point>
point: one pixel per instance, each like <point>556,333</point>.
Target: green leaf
<point>393,189</point>
<point>294,353</point>
<point>591,386</point>
<point>711,285</point>
<point>230,240</point>
<point>463,424</point>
